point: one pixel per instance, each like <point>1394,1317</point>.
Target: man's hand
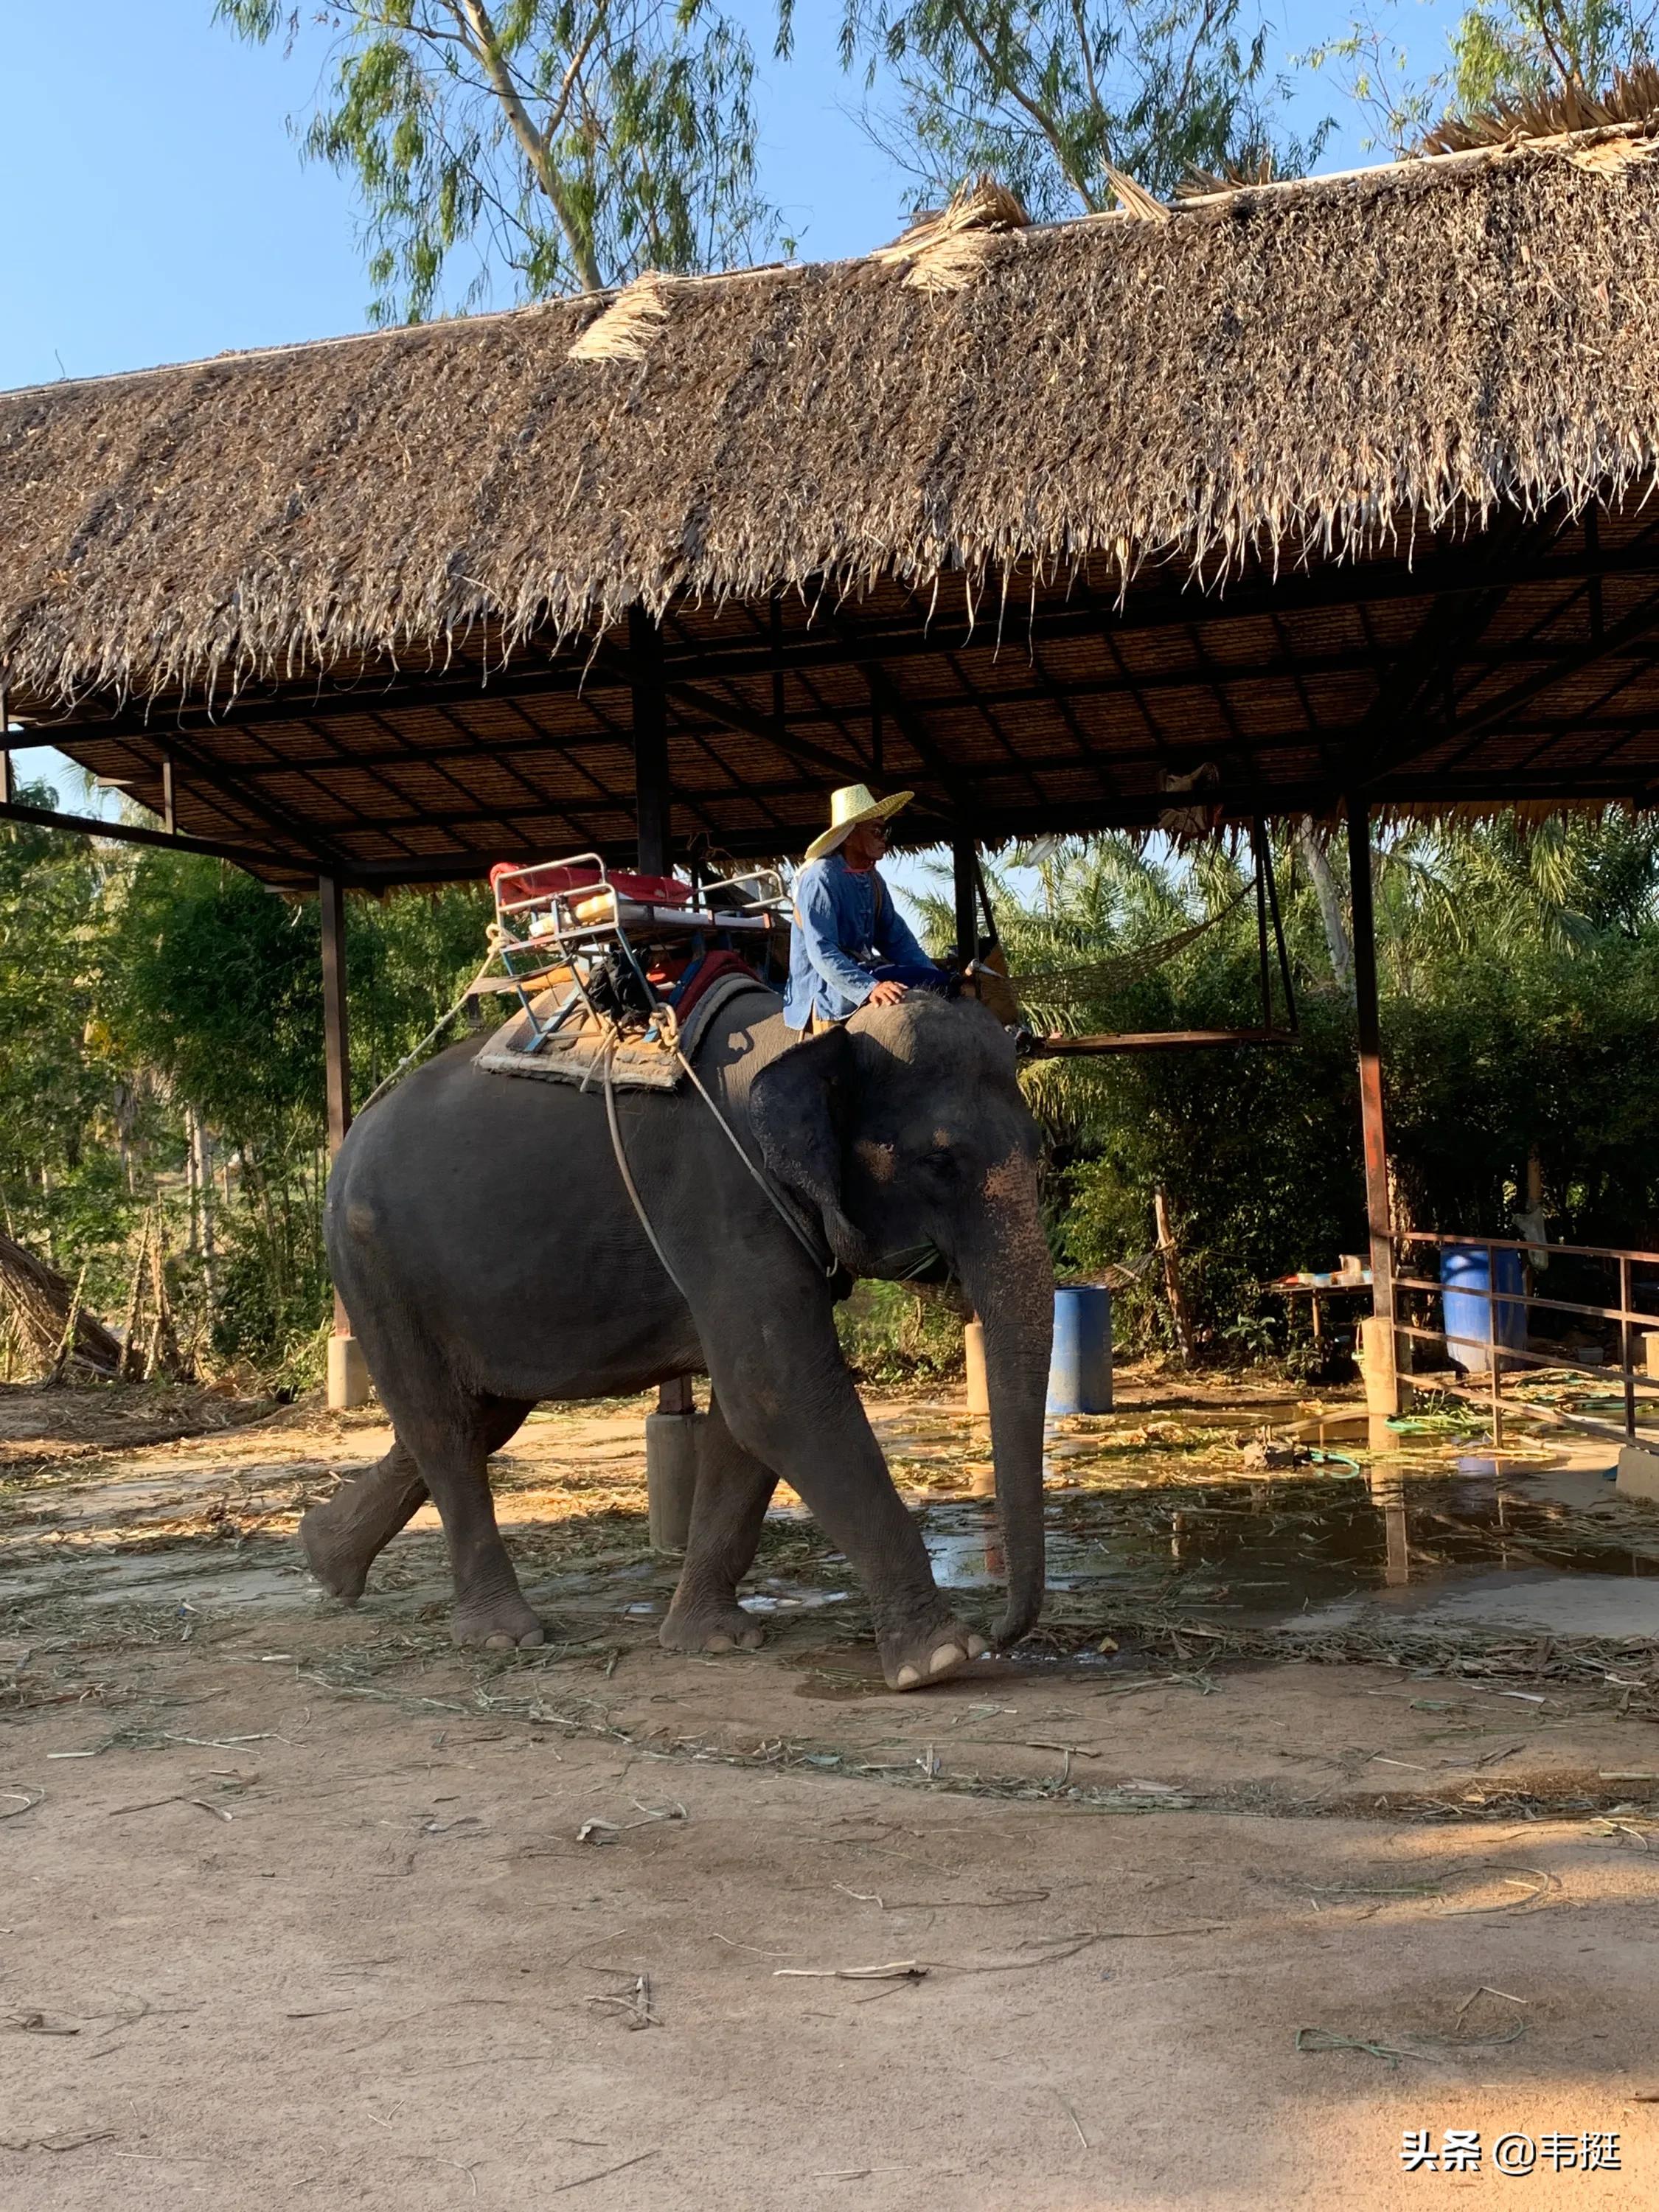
<point>885,994</point>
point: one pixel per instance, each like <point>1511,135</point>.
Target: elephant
<point>483,1240</point>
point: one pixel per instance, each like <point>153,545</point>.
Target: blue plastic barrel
<point>1470,1319</point>
<point>1080,1368</point>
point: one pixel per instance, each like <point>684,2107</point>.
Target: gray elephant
<point>484,1244</point>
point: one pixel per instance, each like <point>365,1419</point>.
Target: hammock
<point>1094,978</point>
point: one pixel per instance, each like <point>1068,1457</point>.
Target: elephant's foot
<point>338,1552</point>
<point>709,1624</point>
<point>343,1536</point>
<point>502,1622</point>
<point>911,1660</point>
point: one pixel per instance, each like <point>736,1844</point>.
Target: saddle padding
<point>635,1065</point>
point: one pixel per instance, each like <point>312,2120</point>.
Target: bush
<point>894,1333</point>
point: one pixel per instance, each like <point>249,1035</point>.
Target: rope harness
<point>827,1265</point>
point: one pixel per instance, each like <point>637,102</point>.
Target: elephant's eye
<point>940,1164</point>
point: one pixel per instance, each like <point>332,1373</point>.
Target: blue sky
<point>158,210</point>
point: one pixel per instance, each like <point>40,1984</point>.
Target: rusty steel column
<point>1382,1364</point>
<point>651,790</point>
<point>348,1376</point>
<point>671,1432</point>
<point>964,857</point>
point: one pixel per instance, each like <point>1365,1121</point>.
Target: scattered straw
<point>582,2180</point>
<point>1325,2039</point>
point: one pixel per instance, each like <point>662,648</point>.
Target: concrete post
<point>973,1359</point>
<point>673,1435</point>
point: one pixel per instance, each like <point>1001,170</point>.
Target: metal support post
<point>651,790</point>
<point>671,1433</point>
<point>1382,1343</point>
<point>348,1376</point>
<point>964,855</point>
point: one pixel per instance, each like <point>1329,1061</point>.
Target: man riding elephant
<point>850,946</point>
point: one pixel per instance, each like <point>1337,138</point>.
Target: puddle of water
<point>1481,1539</point>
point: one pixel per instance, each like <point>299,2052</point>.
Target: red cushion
<point>559,876</point>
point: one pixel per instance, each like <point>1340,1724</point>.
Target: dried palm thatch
<point>945,250</point>
<point>625,329</point>
<point>1567,109</point>
<point>1298,373</point>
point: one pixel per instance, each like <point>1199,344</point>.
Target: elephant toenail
<point>499,1642</point>
<point>977,1647</point>
<point>947,1656</point>
<point>717,1644</point>
<point>528,1643</point>
<point>906,1679</point>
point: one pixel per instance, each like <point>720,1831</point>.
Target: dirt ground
<point>303,1906</point>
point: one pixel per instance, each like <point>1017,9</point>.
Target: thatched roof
<point>1299,372</point>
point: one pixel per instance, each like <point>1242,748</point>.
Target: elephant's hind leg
<point>733,1491</point>
<point>342,1535</point>
<point>452,1453</point>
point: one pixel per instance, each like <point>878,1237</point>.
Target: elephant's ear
<point>799,1107</point>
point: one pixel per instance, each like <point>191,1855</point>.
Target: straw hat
<point>852,804</point>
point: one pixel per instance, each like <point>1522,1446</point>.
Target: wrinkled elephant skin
<point>482,1241</point>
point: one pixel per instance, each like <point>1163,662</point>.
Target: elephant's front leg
<point>733,1491</point>
<point>790,1402</point>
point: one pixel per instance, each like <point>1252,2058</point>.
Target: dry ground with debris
<point>304,1907</point>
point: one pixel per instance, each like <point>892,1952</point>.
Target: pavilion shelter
<point>1306,498</point>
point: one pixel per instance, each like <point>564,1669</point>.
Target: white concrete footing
<point>1638,1472</point>
<point>348,1374</point>
<point>1377,1364</point>
<point>671,1476</point>
<point>973,1354</point>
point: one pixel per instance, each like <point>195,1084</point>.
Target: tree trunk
<point>1179,1320</point>
<point>132,1365</point>
<point>201,1147</point>
<point>39,1300</point>
<point>163,1356</point>
<point>1337,941</point>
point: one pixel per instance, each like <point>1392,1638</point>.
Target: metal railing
<point>1631,1379</point>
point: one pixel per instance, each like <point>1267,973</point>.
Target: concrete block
<point>671,1476</point>
<point>1638,1474</point>
<point>348,1374</point>
<point>1377,1364</point>
<point>973,1353</point>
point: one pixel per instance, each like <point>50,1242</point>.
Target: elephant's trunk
<point>1006,1272</point>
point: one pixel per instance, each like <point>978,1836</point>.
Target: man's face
<point>864,845</point>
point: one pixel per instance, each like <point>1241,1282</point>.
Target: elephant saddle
<point>561,1038</point>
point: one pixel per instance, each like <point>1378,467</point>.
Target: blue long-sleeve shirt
<point>845,925</point>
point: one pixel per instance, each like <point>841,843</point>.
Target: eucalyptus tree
<point>575,142</point>
<point>1501,56</point>
<point>1052,95</point>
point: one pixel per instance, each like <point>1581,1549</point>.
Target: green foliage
<point>1500,53</point>
<point>1046,93</point>
<point>1519,980</point>
<point>1519,49</point>
<point>138,993</point>
<point>575,142</point>
<point>894,1332</point>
